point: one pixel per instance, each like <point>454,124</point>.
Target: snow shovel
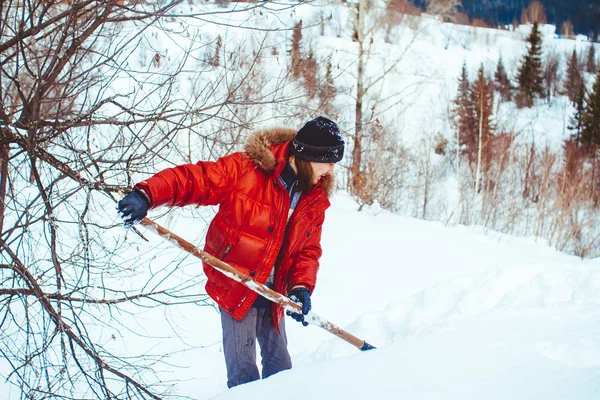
<point>259,288</point>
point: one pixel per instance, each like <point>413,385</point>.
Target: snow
<point>455,313</point>
<point>481,358</point>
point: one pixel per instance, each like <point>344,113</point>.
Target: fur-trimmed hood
<point>259,148</point>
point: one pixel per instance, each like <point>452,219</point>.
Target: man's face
<point>320,170</point>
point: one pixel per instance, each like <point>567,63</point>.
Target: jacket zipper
<point>280,210</point>
<point>288,230</point>
<point>292,223</point>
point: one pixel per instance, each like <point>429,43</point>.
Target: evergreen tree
<point>296,56</point>
<point>590,129</point>
<point>574,80</point>
<point>591,60</point>
<point>463,86</point>
<point>502,83</point>
<point>309,69</point>
<point>530,76</point>
<point>576,121</point>
<point>327,93</point>
<point>482,98</point>
<point>465,111</point>
<point>215,60</point>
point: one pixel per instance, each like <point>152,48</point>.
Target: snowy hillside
<point>455,313</point>
<point>423,55</point>
<point>411,71</point>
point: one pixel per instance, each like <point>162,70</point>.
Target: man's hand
<point>300,295</point>
<point>133,208</point>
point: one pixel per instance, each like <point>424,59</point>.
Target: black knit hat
<point>319,140</point>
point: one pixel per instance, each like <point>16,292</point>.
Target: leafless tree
<point>398,12</point>
<point>79,121</point>
<point>551,76</point>
<point>368,102</point>
<point>534,12</point>
<point>566,29</point>
<point>388,172</point>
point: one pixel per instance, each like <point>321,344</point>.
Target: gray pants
<point>239,346</point>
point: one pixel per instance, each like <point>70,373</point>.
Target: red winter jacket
<point>250,231</point>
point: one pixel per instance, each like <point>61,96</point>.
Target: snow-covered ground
<point>455,312</point>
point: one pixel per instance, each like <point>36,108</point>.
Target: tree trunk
<point>480,144</point>
<point>4,153</point>
<point>355,169</point>
<point>426,183</point>
<point>460,198</point>
<point>358,113</point>
<point>594,196</point>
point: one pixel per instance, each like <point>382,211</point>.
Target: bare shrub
<point>429,169</point>
<point>479,23</point>
<point>396,8</point>
<point>534,12</point>
<point>462,18</point>
<point>566,226</point>
<point>547,165</point>
<point>550,74</point>
<point>556,201</point>
<point>445,9</point>
<point>327,92</point>
<point>566,29</point>
<point>387,174</point>
<point>397,12</point>
<point>440,144</point>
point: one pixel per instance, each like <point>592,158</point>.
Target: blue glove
<point>133,208</point>
<point>300,295</point>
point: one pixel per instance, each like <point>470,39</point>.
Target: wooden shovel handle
<point>257,287</point>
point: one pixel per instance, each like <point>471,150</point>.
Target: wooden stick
<point>257,287</point>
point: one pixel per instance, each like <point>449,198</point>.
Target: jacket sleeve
<point>304,271</point>
<point>204,183</point>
